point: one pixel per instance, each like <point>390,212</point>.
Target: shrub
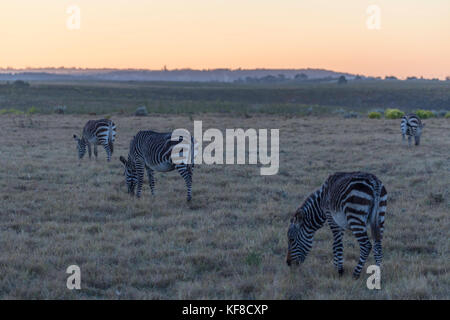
<point>440,113</point>
<point>59,109</point>
<point>374,115</point>
<point>447,115</point>
<point>393,114</point>
<point>424,114</point>
<point>342,80</point>
<point>141,111</point>
<point>350,115</point>
<point>32,110</point>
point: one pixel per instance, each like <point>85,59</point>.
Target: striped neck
<point>314,215</point>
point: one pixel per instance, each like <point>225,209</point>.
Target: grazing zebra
<point>355,201</point>
<point>411,126</point>
<point>98,132</point>
<point>153,151</point>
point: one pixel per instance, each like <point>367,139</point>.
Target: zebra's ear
<point>298,216</point>
<point>123,160</point>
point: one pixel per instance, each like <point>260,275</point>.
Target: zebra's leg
<point>186,173</point>
<point>378,253</point>
<point>95,151</point>
<point>108,152</point>
<point>338,246</point>
<point>89,149</point>
<point>417,140</point>
<point>140,176</point>
<point>409,141</point>
<point>360,232</point>
<point>151,180</point>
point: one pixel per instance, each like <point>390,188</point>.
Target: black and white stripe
<point>355,201</point>
<point>411,126</point>
<point>98,132</point>
<point>153,151</point>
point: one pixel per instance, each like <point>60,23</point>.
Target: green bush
<point>32,110</point>
<point>424,114</point>
<point>374,115</point>
<point>447,115</point>
<point>393,114</point>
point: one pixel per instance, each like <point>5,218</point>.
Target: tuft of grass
<point>253,259</point>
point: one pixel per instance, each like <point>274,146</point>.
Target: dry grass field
<point>230,241</point>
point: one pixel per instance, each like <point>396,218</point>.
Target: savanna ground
<point>230,241</point>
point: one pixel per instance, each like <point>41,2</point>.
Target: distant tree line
<point>301,77</point>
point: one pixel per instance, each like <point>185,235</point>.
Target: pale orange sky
<point>414,38</point>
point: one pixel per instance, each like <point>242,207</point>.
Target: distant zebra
<point>98,132</point>
<point>411,126</point>
<point>153,151</point>
<point>355,201</point>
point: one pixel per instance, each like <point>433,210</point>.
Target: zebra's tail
<point>193,153</point>
<point>111,136</point>
<point>375,222</point>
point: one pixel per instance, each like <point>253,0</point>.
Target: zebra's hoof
<point>340,272</point>
<point>188,199</point>
<point>356,276</point>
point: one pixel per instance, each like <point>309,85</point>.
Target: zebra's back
<point>155,148</point>
<point>355,199</point>
<point>101,131</point>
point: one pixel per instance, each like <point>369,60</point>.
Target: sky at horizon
<point>413,39</point>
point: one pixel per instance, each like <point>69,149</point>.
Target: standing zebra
<point>98,132</point>
<point>411,126</point>
<point>353,200</point>
<point>153,151</point>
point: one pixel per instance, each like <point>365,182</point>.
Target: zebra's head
<point>298,242</point>
<point>81,146</point>
<point>130,174</point>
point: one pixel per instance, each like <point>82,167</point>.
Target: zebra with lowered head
<point>411,126</point>
<point>153,151</point>
<point>98,132</point>
<point>347,200</point>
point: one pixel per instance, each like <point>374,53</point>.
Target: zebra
<point>98,132</point>
<point>153,151</point>
<point>347,200</point>
<point>411,126</point>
